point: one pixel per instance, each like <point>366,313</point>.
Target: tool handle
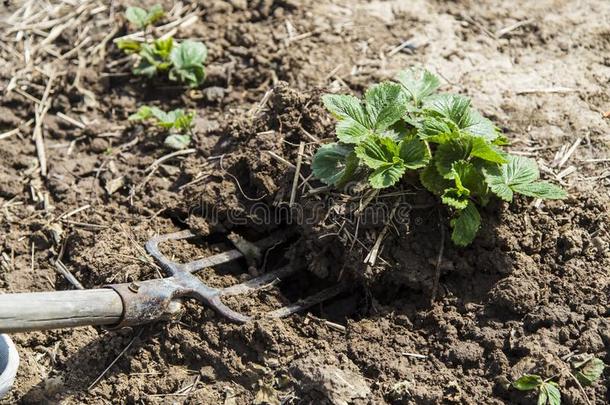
<point>59,309</point>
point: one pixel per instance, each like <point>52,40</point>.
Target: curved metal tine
<point>259,282</point>
<point>308,301</point>
<point>214,302</point>
<point>152,247</point>
<point>229,255</point>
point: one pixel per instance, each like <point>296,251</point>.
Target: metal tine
<point>307,302</point>
<point>152,247</point>
<point>260,282</point>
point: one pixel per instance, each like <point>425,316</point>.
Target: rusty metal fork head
<point>151,300</point>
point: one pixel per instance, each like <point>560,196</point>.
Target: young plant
<point>588,371</point>
<point>406,126</point>
<point>182,62</point>
<point>178,122</point>
<point>548,391</point>
<point>141,18</point>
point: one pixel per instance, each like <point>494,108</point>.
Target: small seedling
<point>548,391</point>
<point>405,125</point>
<point>141,18</point>
<point>182,62</point>
<point>178,122</point>
<point>588,371</point>
<point>585,371</point>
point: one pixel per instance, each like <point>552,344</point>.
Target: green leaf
<point>351,131</point>
<point>154,57</point>
<point>177,118</point>
<point>177,141</point>
<point>385,104</point>
<point>519,175</point>
<point>456,198</point>
<point>144,112</point>
<point>486,151</point>
<point>334,164</point>
<point>457,109</point>
<point>136,16</point>
<point>414,152</point>
<point>154,14</point>
<point>471,178</point>
<point>142,18</point>
<point>431,179</point>
<point>450,152</point>
<point>540,189</point>
<point>549,394</point>
<point>528,382</point>
<point>376,152</point>
<point>129,45</point>
<point>437,129</point>
<point>419,83</point>
<point>590,371</point>
<point>465,225</point>
<point>387,175</point>
<point>346,107</point>
<point>187,59</point>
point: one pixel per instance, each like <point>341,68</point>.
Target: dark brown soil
<point>532,290</point>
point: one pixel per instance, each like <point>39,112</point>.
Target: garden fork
<point>136,303</point>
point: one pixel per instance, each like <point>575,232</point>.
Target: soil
<point>531,292</point>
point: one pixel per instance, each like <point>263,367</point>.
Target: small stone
<point>99,145</point>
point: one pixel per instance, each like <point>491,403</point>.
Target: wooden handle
<point>59,309</point>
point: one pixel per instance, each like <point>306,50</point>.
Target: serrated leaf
<point>385,104</point>
<point>471,178</point>
<point>540,189</point>
<point>542,397</point>
<point>419,83</point>
<point>455,197</point>
<point>590,371</point>
<point>387,175</point>
<point>437,129</point>
<point>346,107</point>
<point>187,59</point>
<point>552,394</point>
<point>136,16</point>
<point>528,382</point>
<point>457,109</point>
<point>414,153</point>
<point>177,141</point>
<point>483,150</point>
<point>431,179</point>
<point>376,151</point>
<point>518,174</point>
<point>466,225</point>
<point>450,152</point>
<point>334,164</point>
<point>351,131</point>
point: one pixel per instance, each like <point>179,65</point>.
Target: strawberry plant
<point>405,125</point>
<point>548,391</point>
<point>177,122</point>
<point>182,62</point>
<point>141,18</point>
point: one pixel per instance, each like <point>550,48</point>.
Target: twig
<point>297,172</point>
<point>503,31</point>
<point>63,270</point>
<point>98,379</point>
<point>415,355</point>
<point>371,258</point>
<point>558,89</point>
<point>169,156</point>
<point>71,120</point>
<point>439,259</point>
